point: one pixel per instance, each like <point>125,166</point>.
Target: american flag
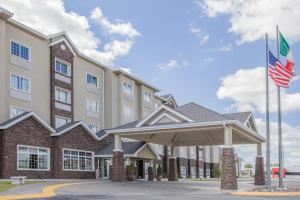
<point>280,74</point>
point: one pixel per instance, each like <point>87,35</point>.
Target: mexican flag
<point>286,52</point>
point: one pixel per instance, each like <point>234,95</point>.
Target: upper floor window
<point>62,95</point>
<point>19,83</point>
<point>147,97</point>
<point>156,105</point>
<point>127,88</point>
<point>92,105</point>
<point>60,121</point>
<point>128,113</point>
<point>19,50</point>
<point>91,80</point>
<point>33,158</point>
<point>62,67</point>
<point>14,111</point>
<point>93,128</point>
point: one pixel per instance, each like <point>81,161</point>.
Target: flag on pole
<point>285,51</point>
<point>278,73</point>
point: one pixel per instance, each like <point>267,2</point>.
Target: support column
<point>165,162</point>
<point>197,162</point>
<point>228,177</point>
<point>259,167</point>
<point>150,171</point>
<point>172,166</point>
<point>118,167</point>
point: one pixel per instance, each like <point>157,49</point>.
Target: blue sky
<point>207,51</point>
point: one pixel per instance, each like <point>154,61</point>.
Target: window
<point>77,160</point>
<point>127,88</point>
<point>14,111</point>
<point>62,67</point>
<point>19,50</point>
<point>33,158</point>
<point>92,106</point>
<point>91,80</point>
<point>19,83</point>
<point>147,97</point>
<point>93,128</point>
<point>128,111</point>
<point>62,95</point>
<point>60,121</point>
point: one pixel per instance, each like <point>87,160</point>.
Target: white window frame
<point>125,89</point>
<point>91,74</point>
<point>17,108</point>
<point>78,170</point>
<point>89,126</point>
<point>29,82</point>
<point>64,62</point>
<point>25,169</point>
<point>24,45</point>
<point>69,95</point>
<point>88,101</point>
<point>150,100</point>
<point>66,118</point>
<point>132,111</point>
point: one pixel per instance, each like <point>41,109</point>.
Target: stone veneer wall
<point>228,177</point>
<point>259,171</point>
<point>165,164</point>
<point>27,132</point>
<point>56,51</point>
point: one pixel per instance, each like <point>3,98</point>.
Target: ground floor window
<point>77,160</point>
<point>33,158</point>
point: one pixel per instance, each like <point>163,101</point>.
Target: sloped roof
<point>68,125</point>
<point>199,113</point>
<point>241,117</point>
<point>128,147</point>
<point>167,96</point>
<point>14,119</point>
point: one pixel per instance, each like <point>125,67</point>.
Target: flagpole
<point>268,165</point>
<point>279,122</point>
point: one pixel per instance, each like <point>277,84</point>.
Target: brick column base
<point>228,178</point>
<point>118,168</point>
<point>150,173</point>
<point>259,171</point>
<point>172,170</point>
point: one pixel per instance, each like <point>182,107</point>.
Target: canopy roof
<point>191,125</point>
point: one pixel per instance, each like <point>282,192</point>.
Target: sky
<point>207,51</point>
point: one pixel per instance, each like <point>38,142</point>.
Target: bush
<point>158,173</point>
<point>131,172</point>
<point>216,173</point>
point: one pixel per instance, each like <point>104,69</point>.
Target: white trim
<point>24,45</point>
<point>62,117</point>
<point>69,95</point>
<point>16,89</point>
<point>69,68</point>
<point>66,42</point>
<point>162,116</point>
<point>152,149</point>
<point>171,98</point>
<point>163,107</point>
<point>123,89</point>
<point>10,109</point>
<point>48,161</point>
<point>73,126</point>
<point>25,117</point>
<point>89,100</point>
<point>78,170</point>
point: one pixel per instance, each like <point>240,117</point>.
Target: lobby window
<point>92,106</point>
<point>62,95</point>
<point>62,67</point>
<point>91,80</point>
<point>93,128</point>
<point>60,121</point>
<point>128,113</point>
<point>147,97</point>
<point>77,160</point>
<point>19,83</point>
<point>33,158</point>
<point>127,88</point>
<point>19,50</point>
<point>15,111</point>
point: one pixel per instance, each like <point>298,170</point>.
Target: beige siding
<point>146,153</point>
<point>3,101</point>
<point>39,74</point>
<point>83,92</point>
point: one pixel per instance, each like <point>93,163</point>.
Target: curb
<point>269,194</point>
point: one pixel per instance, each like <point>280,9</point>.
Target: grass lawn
<point>5,185</point>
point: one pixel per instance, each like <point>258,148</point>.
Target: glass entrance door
<point>104,168</point>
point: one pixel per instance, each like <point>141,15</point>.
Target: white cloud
<point>50,17</point>
<point>118,27</point>
<point>172,64</point>
<point>226,48</point>
<point>252,19</point>
<point>246,87</point>
<point>126,69</point>
<point>200,34</point>
<point>291,142</point>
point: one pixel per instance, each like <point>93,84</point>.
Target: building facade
<point>59,103</point>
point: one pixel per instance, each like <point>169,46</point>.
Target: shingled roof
<point>128,147</point>
<point>241,117</point>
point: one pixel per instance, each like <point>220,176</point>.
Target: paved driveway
<point>143,190</point>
